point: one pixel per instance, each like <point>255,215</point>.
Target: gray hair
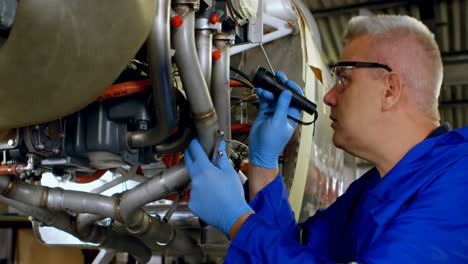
<point>390,30</point>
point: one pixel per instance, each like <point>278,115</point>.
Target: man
<point>410,208</point>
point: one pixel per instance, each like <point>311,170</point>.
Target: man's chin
<point>337,141</point>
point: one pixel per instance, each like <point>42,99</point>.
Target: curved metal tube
<point>204,44</point>
<point>76,201</point>
<point>95,234</point>
<point>160,72</point>
<point>183,217</point>
<point>158,187</point>
<point>127,243</point>
<point>146,227</point>
<point>4,184</point>
<point>84,221</point>
<point>48,217</point>
<point>183,41</point>
<point>181,142</point>
<point>57,198</point>
<point>181,139</point>
<point>220,88</point>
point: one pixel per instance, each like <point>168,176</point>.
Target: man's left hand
<point>217,196</point>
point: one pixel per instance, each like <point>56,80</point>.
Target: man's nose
<point>330,98</point>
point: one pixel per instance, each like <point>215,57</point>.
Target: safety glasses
<point>341,74</point>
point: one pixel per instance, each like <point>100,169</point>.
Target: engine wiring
<point>247,99</point>
<point>241,73</point>
<point>242,81</point>
<point>232,12</point>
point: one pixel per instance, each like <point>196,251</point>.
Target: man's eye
<point>345,77</point>
<point>344,74</point>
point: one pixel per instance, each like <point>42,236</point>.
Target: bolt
<point>56,151</point>
<point>11,142</point>
<point>142,125</point>
<point>40,146</point>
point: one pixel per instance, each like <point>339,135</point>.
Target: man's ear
<point>393,91</point>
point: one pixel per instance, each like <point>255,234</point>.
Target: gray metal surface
<point>158,187</point>
<point>7,13</point>
<point>80,202</point>
<point>58,198</point>
<point>220,87</point>
<point>61,55</point>
<point>150,230</point>
<point>204,44</point>
<point>183,41</point>
<point>95,234</point>
<point>161,74</point>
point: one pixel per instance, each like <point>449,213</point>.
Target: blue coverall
<point>417,213</point>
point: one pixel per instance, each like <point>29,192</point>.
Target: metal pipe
<point>17,169</point>
<point>181,141</point>
<point>204,44</point>
<point>127,243</point>
<point>282,30</point>
<point>185,133</point>
<point>161,73</point>
<point>4,184</point>
<point>76,201</point>
<point>60,220</point>
<point>48,217</point>
<point>95,234</point>
<point>148,228</point>
<point>183,41</point>
<point>158,187</point>
<point>85,221</point>
<point>220,88</point>
<point>8,9</point>
<point>57,198</point>
<point>183,217</point>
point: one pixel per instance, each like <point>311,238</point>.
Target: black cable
<point>243,82</point>
<point>242,141</point>
<point>241,73</point>
<point>300,122</point>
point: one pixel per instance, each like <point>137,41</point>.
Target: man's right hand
<point>272,129</point>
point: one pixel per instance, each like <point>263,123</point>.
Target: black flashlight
<point>268,81</point>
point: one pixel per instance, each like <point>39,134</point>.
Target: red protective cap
<point>217,55</point>
<point>214,18</point>
<point>177,21</point>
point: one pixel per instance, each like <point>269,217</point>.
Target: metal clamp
<point>195,4</point>
<point>217,153</point>
<point>204,23</point>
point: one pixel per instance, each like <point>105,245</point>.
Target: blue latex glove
<point>270,133</point>
<point>217,196</point>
